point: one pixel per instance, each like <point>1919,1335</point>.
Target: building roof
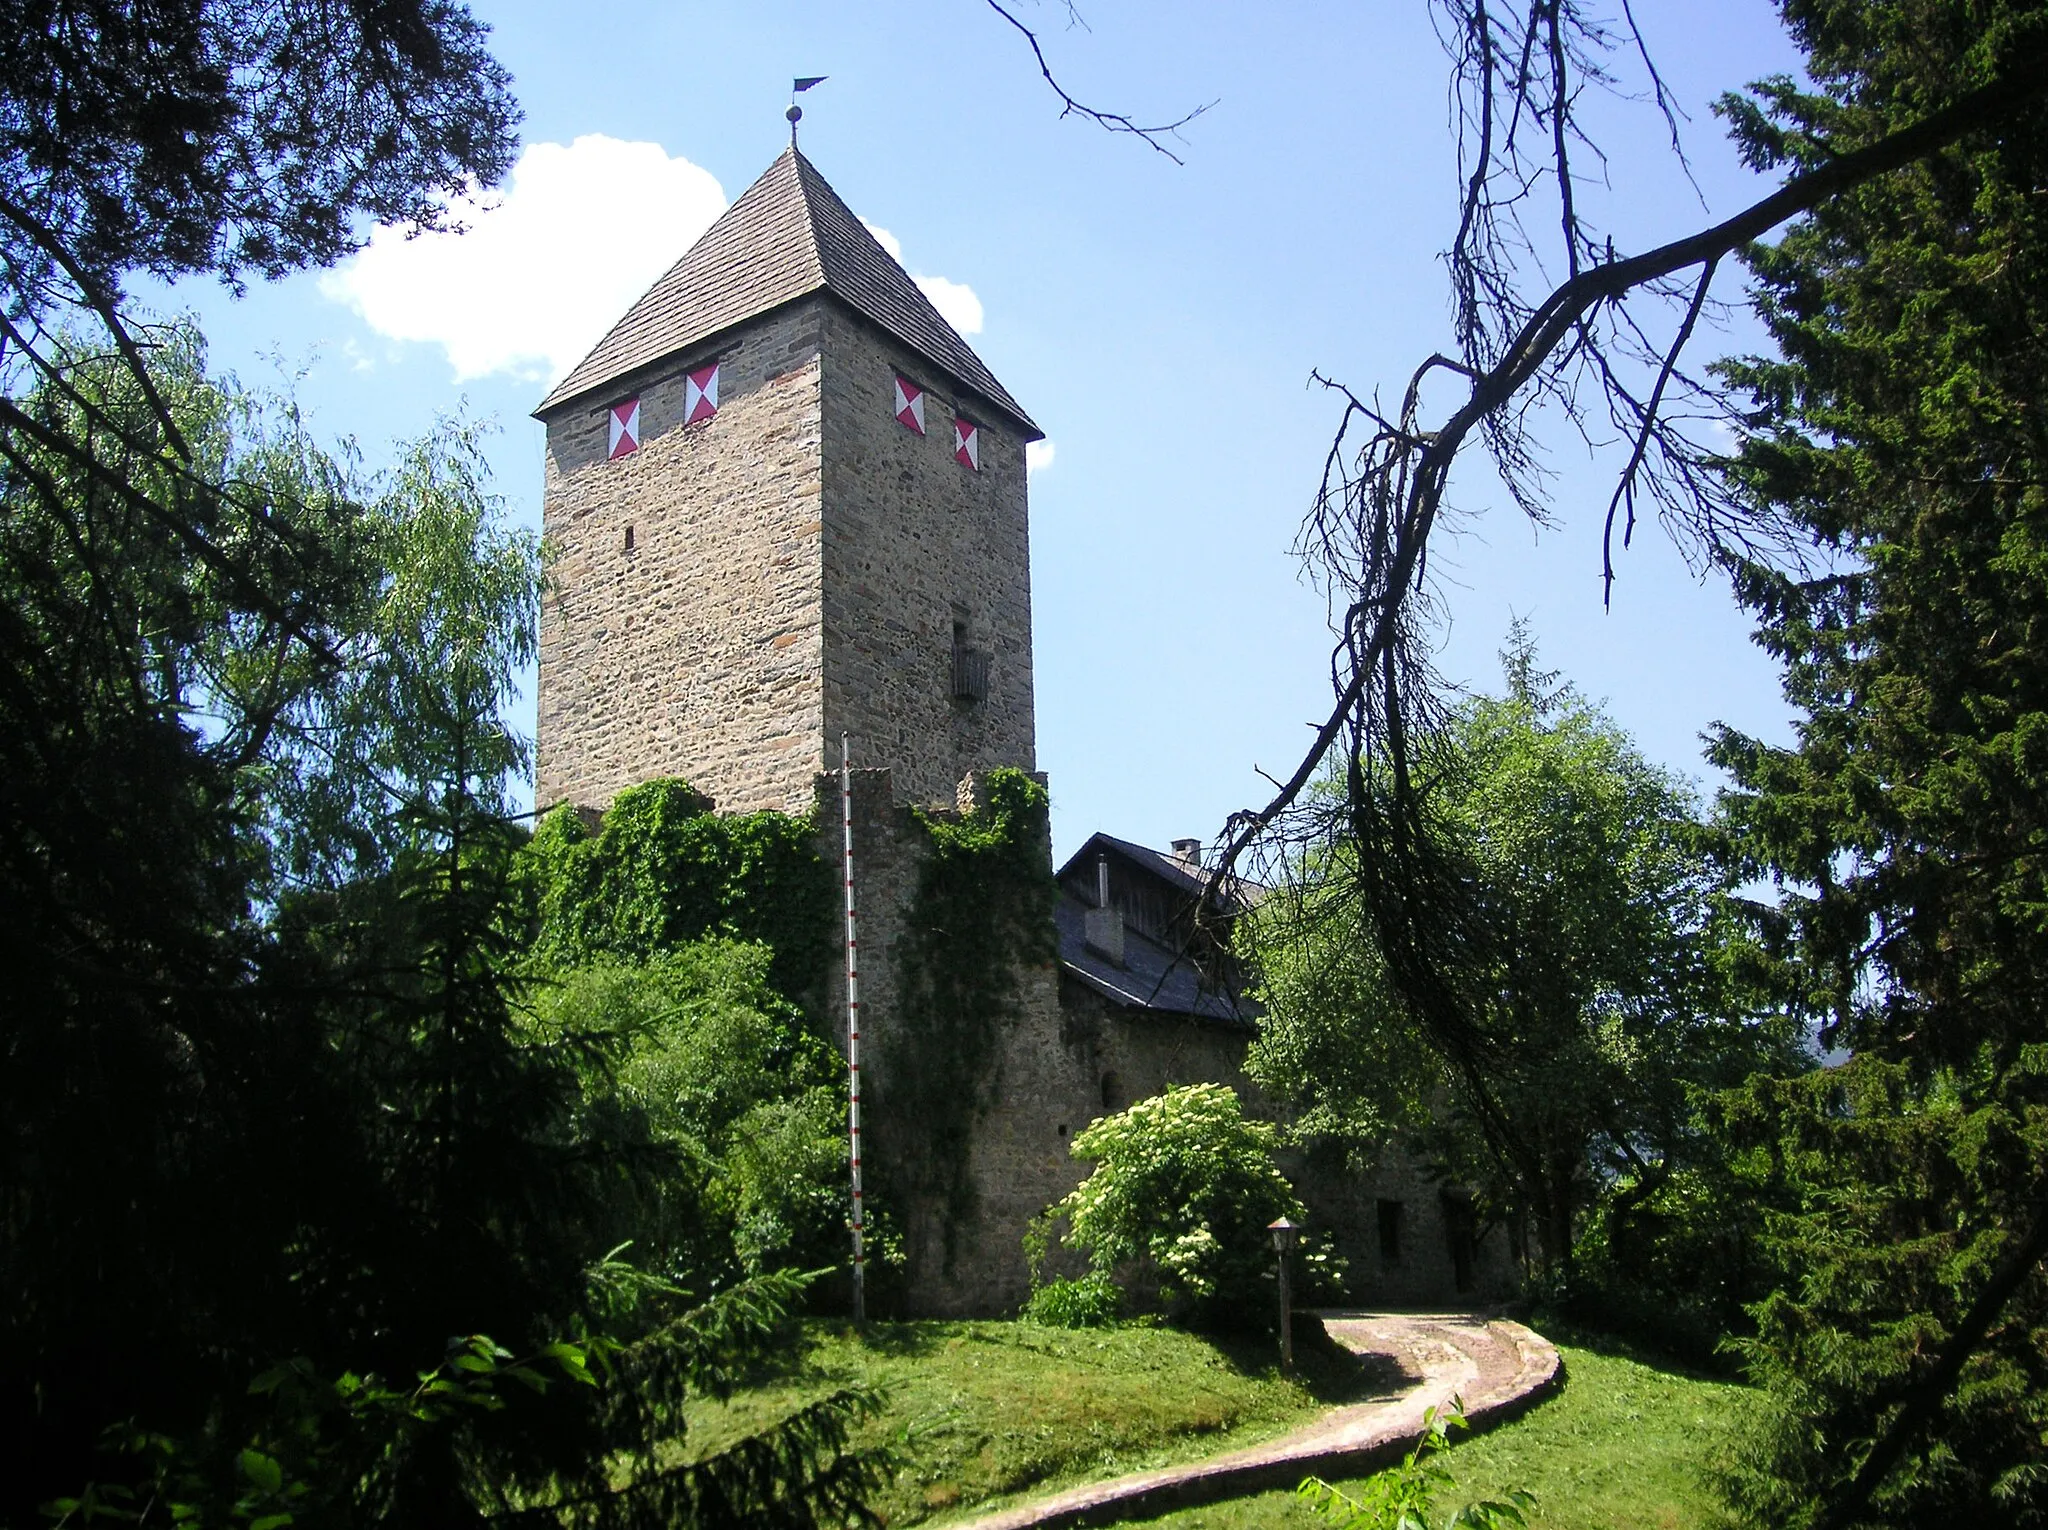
<point>1154,975</point>
<point>1151,978</point>
<point>788,235</point>
<point>1176,873</point>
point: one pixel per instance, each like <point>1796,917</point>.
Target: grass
<point>1625,1446</point>
<point>981,1412</point>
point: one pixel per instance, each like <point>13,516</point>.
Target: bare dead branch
<point>1114,122</point>
<point>1401,484</point>
<point>1625,490</point>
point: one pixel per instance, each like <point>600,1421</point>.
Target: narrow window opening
<point>1462,1234</point>
<point>629,539</point>
<point>970,666</point>
<point>1390,1231</point>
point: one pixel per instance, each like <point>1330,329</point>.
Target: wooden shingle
<point>788,235</point>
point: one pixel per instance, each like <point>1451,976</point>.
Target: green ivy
<point>983,912</point>
<point>661,870</point>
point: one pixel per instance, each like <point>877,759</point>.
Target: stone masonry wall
<point>1018,1160</point>
<point>798,563</point>
<point>913,542</point>
<point>698,652</point>
<point>1068,1058</point>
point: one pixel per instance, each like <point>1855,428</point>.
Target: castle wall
<point>913,542</point>
<point>697,653</point>
<point>970,1264</point>
<point>1069,1057</point>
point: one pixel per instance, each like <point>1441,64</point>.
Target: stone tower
<point>786,501</point>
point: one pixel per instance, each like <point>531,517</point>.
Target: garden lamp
<point>1283,1232</point>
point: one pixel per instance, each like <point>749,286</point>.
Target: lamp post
<point>1283,1232</point>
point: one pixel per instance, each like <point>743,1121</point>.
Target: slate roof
<point>787,236</point>
<point>1153,976</point>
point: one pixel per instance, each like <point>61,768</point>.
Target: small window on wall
<point>1390,1231</point>
<point>623,428</point>
<point>908,400</point>
<point>970,667</point>
<point>700,394</point>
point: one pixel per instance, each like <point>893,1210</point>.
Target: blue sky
<point>1160,322</point>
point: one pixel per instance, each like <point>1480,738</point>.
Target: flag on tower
<point>807,82</point>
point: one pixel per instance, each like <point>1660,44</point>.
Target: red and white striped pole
<point>860,1303</point>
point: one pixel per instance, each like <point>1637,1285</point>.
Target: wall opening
<point>1390,1231</point>
<point>970,666</point>
<point>1461,1233</point>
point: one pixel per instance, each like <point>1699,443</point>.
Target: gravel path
<point>1497,1368</point>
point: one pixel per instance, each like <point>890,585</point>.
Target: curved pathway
<point>1498,1369</point>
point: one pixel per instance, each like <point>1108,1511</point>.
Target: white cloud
<point>1038,456</point>
<point>886,240</point>
<point>545,267</point>
<point>956,301</point>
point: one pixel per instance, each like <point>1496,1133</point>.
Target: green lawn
<point>1625,1446</point>
<point>983,1412</point>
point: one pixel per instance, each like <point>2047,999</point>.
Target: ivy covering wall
<point>981,915</point>
<point>661,870</point>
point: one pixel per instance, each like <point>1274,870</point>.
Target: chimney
<point>1188,852</point>
<point>1102,927</point>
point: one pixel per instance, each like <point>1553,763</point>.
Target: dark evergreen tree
<point>1904,430</point>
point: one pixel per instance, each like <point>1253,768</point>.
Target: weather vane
<point>795,114</point>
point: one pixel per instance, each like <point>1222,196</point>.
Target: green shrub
<point>1177,1209</point>
<point>1090,1302</point>
<point>710,1062</point>
<point>661,871</point>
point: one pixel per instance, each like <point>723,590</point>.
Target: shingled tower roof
<point>787,236</point>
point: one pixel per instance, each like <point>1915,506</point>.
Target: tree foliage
<point>1176,1210</point>
<point>661,870</point>
<point>1594,990</point>
<point>1899,428</point>
<point>224,135</point>
<point>283,1112</point>
<point>717,1067</point>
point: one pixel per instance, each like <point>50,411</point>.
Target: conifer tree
<point>1902,430</point>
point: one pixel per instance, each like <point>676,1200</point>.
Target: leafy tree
<point>1177,1208</point>
<point>1900,430</point>
<point>282,1107</point>
<point>715,1065</point>
<point>178,568</point>
<point>231,135</point>
<point>1588,1000</point>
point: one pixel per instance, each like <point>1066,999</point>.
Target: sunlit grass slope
<point>1625,1446</point>
<point>980,1412</point>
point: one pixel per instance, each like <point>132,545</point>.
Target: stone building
<point>787,503</point>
